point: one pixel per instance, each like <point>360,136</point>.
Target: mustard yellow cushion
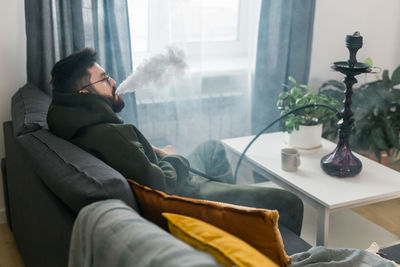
<point>227,249</point>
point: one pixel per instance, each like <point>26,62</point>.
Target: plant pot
<point>384,156</point>
<point>307,137</point>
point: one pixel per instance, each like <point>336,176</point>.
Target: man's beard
<point>117,103</point>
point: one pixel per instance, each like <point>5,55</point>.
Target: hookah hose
<point>260,133</point>
<point>203,174</point>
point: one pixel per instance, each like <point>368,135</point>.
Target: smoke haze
<point>157,70</point>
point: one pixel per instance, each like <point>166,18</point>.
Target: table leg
<point>322,226</point>
<point>398,233</point>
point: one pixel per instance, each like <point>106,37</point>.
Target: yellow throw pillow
<point>227,249</point>
<point>257,227</point>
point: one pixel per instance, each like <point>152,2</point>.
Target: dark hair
<point>70,73</point>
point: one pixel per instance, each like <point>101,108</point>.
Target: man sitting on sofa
<point>83,112</point>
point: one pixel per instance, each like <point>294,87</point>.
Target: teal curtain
<point>56,28</point>
<point>283,49</point>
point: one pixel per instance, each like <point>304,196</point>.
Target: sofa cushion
<point>29,107</point>
<point>227,249</point>
<point>75,176</point>
<point>293,243</point>
<point>258,227</point>
<point>392,253</point>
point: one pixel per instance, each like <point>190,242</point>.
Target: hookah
<point>341,162</point>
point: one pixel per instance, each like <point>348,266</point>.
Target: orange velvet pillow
<point>258,227</point>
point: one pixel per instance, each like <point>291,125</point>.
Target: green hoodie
<point>88,121</point>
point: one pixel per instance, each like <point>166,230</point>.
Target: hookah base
<point>341,163</point>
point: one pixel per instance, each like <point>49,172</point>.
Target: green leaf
<point>396,76</point>
<point>279,104</point>
<point>284,95</point>
<point>292,79</point>
<point>296,92</point>
<point>392,135</point>
<point>385,78</point>
<point>332,85</point>
<point>379,138</point>
<point>308,88</point>
<point>301,102</point>
<point>289,124</point>
<point>310,94</point>
<point>369,61</point>
<point>372,147</point>
<point>323,98</point>
<point>378,156</point>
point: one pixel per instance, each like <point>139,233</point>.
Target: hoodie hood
<point>70,112</point>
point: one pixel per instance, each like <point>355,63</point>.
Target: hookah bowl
<point>341,162</point>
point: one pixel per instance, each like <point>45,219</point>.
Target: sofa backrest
<point>75,176</point>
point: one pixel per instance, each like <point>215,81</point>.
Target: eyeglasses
<point>108,79</point>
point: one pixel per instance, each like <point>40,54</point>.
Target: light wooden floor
<point>386,214</point>
<point>9,255</point>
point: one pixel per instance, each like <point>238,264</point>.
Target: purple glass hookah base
<point>341,162</point>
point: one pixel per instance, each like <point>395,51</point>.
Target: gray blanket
<point>343,257</point>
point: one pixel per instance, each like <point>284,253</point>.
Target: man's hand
<point>162,152</point>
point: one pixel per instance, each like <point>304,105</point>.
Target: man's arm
<point>118,146</point>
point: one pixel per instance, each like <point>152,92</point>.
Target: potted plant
<point>376,107</point>
<point>304,128</point>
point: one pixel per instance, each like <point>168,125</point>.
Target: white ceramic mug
<point>290,159</point>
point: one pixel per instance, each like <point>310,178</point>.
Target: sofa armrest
<point>110,233</point>
<point>29,107</point>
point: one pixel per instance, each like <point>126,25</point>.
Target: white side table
<point>325,193</point>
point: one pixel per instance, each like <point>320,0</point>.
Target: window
<point>139,24</point>
<point>206,20</point>
<point>210,30</point>
<point>211,100</point>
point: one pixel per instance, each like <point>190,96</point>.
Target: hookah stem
<point>346,126</point>
<point>338,114</point>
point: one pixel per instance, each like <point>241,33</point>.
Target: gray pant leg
<point>210,158</point>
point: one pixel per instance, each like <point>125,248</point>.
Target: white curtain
<point>211,101</point>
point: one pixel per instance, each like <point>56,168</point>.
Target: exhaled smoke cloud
<point>158,70</point>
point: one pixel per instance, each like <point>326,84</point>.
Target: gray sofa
<point>48,180</point>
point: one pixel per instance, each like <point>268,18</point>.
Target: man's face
<point>105,88</point>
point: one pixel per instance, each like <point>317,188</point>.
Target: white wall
<point>377,21</point>
<point>12,65</point>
